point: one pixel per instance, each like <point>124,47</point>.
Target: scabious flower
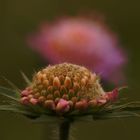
<point>84,42</point>
<point>66,92</point>
<point>64,88</point>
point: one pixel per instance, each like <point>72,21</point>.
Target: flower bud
<point>74,99</point>
<point>24,100</point>
<point>65,96</point>
<point>33,101</point>
<point>56,82</point>
<point>50,89</point>
<point>67,82</point>
<point>57,93</point>
<point>49,97</point>
<point>62,106</point>
<point>101,102</point>
<point>49,104</point>
<point>46,83</point>
<point>25,93</point>
<point>37,95</point>
<point>41,99</point>
<point>92,103</point>
<point>113,95</point>
<point>65,87</point>
<point>30,96</point>
<point>71,92</point>
<point>81,105</point>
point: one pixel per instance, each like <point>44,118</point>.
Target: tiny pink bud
<point>30,96</point>
<point>112,96</point>
<point>81,105</point>
<point>33,101</point>
<point>49,97</point>
<point>50,89</point>
<point>71,104</point>
<point>71,92</point>
<point>56,82</point>
<point>83,81</point>
<point>57,93</point>
<point>92,103</point>
<point>67,82</point>
<point>24,100</point>
<point>65,97</point>
<point>101,101</point>
<point>49,104</point>
<point>46,83</point>
<point>76,86</point>
<point>74,99</point>
<point>41,99</point>
<point>62,106</point>
<point>24,93</point>
<point>57,100</point>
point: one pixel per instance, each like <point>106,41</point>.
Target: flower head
<point>64,88</point>
<point>66,91</point>
<point>84,42</point>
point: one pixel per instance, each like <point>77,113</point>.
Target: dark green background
<point>20,17</point>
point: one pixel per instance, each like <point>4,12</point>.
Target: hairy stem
<point>57,131</point>
<point>64,128</point>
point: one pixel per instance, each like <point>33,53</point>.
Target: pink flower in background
<point>84,42</point>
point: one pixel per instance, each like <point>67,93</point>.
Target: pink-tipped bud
<point>37,95</point>
<point>50,97</point>
<point>62,106</point>
<point>57,93</point>
<point>101,102</point>
<point>25,93</point>
<point>71,92</point>
<point>50,89</point>
<point>46,83</point>
<point>92,103</point>
<point>65,97</point>
<point>41,99</point>
<point>76,86</point>
<point>56,82</point>
<point>33,101</point>
<point>24,100</point>
<point>30,96</point>
<point>81,105</point>
<point>74,99</point>
<point>71,104</point>
<point>49,104</point>
<point>112,96</point>
<point>84,81</point>
<point>57,100</point>
<point>67,82</point>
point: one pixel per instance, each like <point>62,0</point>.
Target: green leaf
<point>11,94</point>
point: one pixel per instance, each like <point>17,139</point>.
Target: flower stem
<point>64,128</point>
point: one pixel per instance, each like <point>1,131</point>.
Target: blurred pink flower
<point>84,42</point>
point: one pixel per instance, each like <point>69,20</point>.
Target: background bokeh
<point>20,17</point>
